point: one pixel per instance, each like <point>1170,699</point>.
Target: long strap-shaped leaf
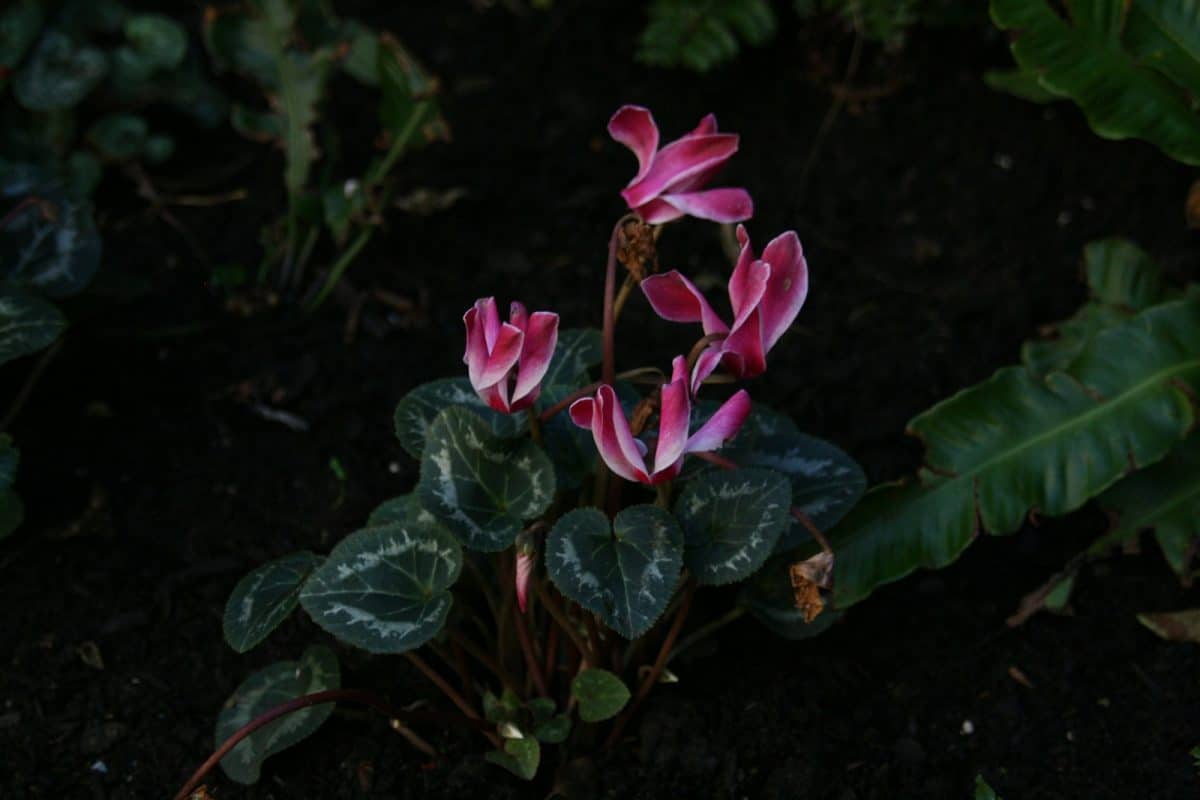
<point>1017,442</point>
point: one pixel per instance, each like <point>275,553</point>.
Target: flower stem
<point>450,692</point>
<point>564,622</point>
<point>531,661</point>
<point>622,297</point>
<point>812,528</point>
<point>535,426</point>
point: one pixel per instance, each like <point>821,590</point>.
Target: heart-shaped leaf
<point>27,324</point>
<point>417,410</point>
<point>264,598</point>
<point>625,572</point>
<point>601,694</point>
<point>385,589</point>
<point>554,730</point>
<point>58,74</point>
<point>159,38</point>
<point>316,671</point>
<point>119,136</point>
<point>405,508</point>
<point>521,757</point>
<point>479,486</point>
<point>731,522</point>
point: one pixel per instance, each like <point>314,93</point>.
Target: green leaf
<point>407,108</point>
<point>1164,497</point>
<point>983,791</point>
<point>504,708</point>
<point>1133,66</point>
<point>769,597</point>
<point>316,671</point>
<point>417,410</point>
<point>264,598</point>
<point>48,244</point>
<point>731,522</point>
<point>1068,338</point>
<point>159,38</point>
<point>1016,442</point>
<point>700,36</point>
<point>569,445</point>
<point>1019,83</point>
<point>554,730</point>
<point>601,695</point>
<point>624,573</point>
<point>27,324</point>
<point>120,137</point>
<point>521,757</point>
<point>58,74</point>
<point>385,589</point>
<point>158,148</point>
<point>405,508</point>
<point>20,24</point>
<point>479,486</point>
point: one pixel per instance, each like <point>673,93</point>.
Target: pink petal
<point>751,286</point>
<point>475,355</point>
<point>787,289</point>
<point>718,205</point>
<point>503,356</point>
<point>541,337</point>
<point>517,315</point>
<point>583,412</point>
<point>614,439</point>
<point>706,364</point>
<point>496,397</point>
<point>633,126</point>
<point>738,282</point>
<point>676,299</point>
<point>746,342</point>
<point>678,161</point>
<point>657,212</point>
<point>722,426</point>
<point>674,417</point>
<point>707,126</point>
<point>489,317</point>
<point>525,565</point>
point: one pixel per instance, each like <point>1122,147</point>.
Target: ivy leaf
<point>521,757</point>
<point>264,598</point>
<point>160,39</point>
<point>316,671</point>
<point>385,589</point>
<point>27,324</point>
<point>600,693</point>
<point>480,487</point>
<point>58,74</point>
<point>625,572</point>
<point>731,522</point>
<point>417,409</point>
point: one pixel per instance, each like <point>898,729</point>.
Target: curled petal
<point>657,212</point>
<point>722,426</point>
<point>788,286</point>
<point>679,161</point>
<point>718,205</point>
<point>634,127</point>
<point>615,440</point>
<point>675,411</point>
<point>475,355</point>
<point>708,125</point>
<point>503,356</point>
<point>675,298</point>
<point>706,365</point>
<point>582,412</point>
<point>752,289</point>
<point>743,348</point>
<point>541,337</point>
<point>517,315</point>
<point>489,319</point>
<point>739,289</point>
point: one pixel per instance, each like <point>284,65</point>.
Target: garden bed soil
<point>943,224</point>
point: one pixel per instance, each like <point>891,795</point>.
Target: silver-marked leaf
<point>385,589</point>
<point>731,522</point>
<point>27,324</point>
<point>600,693</point>
<point>625,572</point>
<point>481,487</point>
<point>58,74</point>
<point>769,598</point>
<point>405,508</point>
<point>521,757</point>
<point>160,39</point>
<point>49,243</point>
<point>315,671</point>
<point>417,409</point>
<point>264,598</point>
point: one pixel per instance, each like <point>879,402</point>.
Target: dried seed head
<point>808,579</point>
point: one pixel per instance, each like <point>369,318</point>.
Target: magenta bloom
<point>766,295</point>
<point>507,361</point>
<point>626,455</point>
<point>667,183</point>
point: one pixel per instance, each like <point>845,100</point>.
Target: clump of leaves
<point>1130,65</point>
<point>292,52</point>
<point>1103,407</point>
<point>568,514</point>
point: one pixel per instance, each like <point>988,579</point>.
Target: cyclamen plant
<point>550,552</point>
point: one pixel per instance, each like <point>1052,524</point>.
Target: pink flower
<point>666,184</point>
<point>626,455</point>
<point>766,295</point>
<point>507,361</point>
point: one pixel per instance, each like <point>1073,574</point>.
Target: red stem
<point>531,662</point>
<point>609,371</point>
<point>317,698</point>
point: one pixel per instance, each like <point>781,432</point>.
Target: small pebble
<point>968,727</point>
<point>99,766</point>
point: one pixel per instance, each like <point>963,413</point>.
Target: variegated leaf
<point>316,671</point>
<point>417,410</point>
<point>731,522</point>
<point>385,589</point>
<point>264,598</point>
<point>27,324</point>
<point>479,486</point>
<point>625,572</point>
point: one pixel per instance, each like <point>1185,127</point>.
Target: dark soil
<point>943,224</point>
